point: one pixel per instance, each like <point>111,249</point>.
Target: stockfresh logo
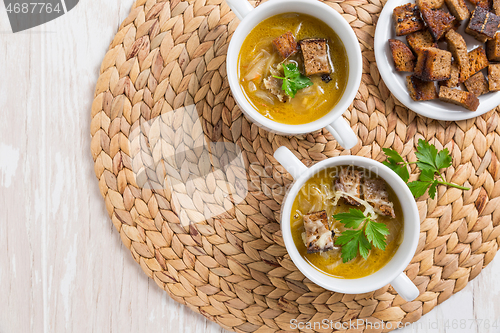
<point>26,14</point>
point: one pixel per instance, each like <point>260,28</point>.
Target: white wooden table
<point>63,267</point>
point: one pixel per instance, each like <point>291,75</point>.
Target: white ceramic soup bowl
<point>333,120</point>
<point>392,272</point>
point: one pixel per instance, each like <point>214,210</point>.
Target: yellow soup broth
<point>315,195</point>
<point>258,55</point>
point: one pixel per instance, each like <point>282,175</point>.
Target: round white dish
<point>396,81</point>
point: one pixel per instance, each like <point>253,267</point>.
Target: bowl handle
<point>405,288</point>
<point>240,7</point>
<point>290,162</point>
<point>343,133</point>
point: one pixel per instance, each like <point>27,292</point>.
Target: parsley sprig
<point>430,161</point>
<point>293,80</point>
<point>364,233</point>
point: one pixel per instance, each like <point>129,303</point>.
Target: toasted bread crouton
<point>318,234</point>
<point>434,4</point>
<point>459,97</point>
<point>454,79</point>
<point>433,64</point>
<point>496,7</point>
<point>493,48</point>
<point>420,39</point>
<point>483,25</point>
<point>404,60</point>
<point>438,21</point>
<point>315,52</point>
<point>407,19</point>
<point>477,84</point>
<point>349,182</point>
<point>286,45</point>
<point>375,193</point>
<point>421,90</point>
<point>486,4</point>
<point>459,9</point>
<point>494,77</point>
<point>458,48</point>
<point>478,60</point>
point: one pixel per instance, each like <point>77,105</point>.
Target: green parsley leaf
<point>353,241</point>
<point>393,162</point>
<point>347,236</point>
<point>287,87</point>
<point>291,70</point>
<point>400,169</point>
<point>367,233</point>
<point>425,180</point>
<point>443,159</point>
<point>393,155</point>
<point>426,155</point>
<point>364,246</point>
<point>375,233</point>
<point>433,189</point>
<point>418,188</point>
<point>426,175</point>
<point>429,157</point>
<point>293,80</point>
<point>352,219</point>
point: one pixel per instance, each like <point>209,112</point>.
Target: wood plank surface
<point>63,267</point>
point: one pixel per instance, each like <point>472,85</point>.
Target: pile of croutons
<point>424,24</point>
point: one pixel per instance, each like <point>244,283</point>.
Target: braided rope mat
<point>228,262</point>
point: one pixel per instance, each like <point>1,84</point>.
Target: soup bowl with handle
<point>393,271</point>
<point>251,17</point>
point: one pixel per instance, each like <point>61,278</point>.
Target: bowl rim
<point>390,270</point>
<point>335,21</point>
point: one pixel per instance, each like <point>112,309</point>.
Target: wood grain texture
<point>64,268</point>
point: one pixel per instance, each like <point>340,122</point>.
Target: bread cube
<point>376,194</point>
<point>404,60</point>
<point>434,4</point>
<point>315,52</point>
<point>286,45</point>
<point>420,39</point>
<point>477,84</point>
<point>458,48</point>
<point>483,25</point>
<point>493,48</point>
<point>459,9</point>
<point>459,97</point>
<point>407,19</point>
<point>349,181</point>
<point>486,4</point>
<point>438,21</point>
<point>478,60</point>
<point>420,90</point>
<point>318,234</point>
<point>454,79</point>
<point>496,7</point>
<point>433,64</point>
<point>494,77</point>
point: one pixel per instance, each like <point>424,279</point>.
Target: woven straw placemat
<point>195,193</point>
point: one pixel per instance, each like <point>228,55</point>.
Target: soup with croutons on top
<point>347,222</point>
<point>293,68</point>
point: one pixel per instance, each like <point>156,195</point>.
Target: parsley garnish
<point>293,80</point>
<point>365,233</point>
<point>430,161</point>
